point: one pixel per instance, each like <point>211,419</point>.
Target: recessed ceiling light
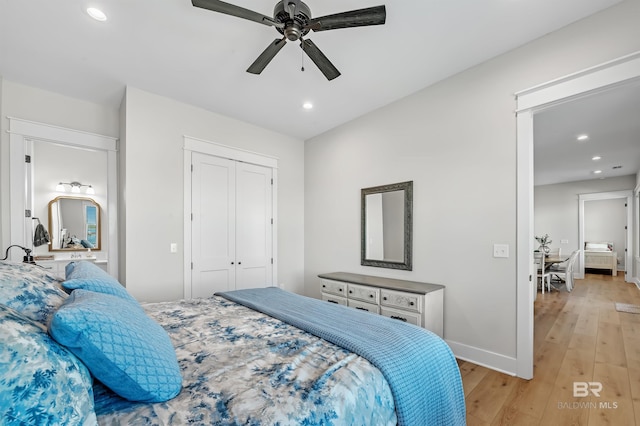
<point>97,14</point>
<point>597,172</point>
<point>582,137</point>
<point>596,158</point>
<point>307,105</point>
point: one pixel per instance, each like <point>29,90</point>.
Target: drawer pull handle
<point>350,291</point>
<point>399,318</point>
<point>362,309</point>
<point>332,301</point>
<point>384,298</point>
<point>324,286</point>
<point>371,296</point>
<point>339,289</point>
<point>411,303</point>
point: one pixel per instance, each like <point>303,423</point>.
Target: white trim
<point>192,145</point>
<point>576,84</point>
<point>529,101</point>
<point>628,196</point>
<point>48,132</point>
<point>525,272</point>
<point>231,153</point>
<point>21,132</point>
<point>484,358</point>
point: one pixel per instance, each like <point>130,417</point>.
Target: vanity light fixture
<point>75,187</point>
<point>583,137</point>
<point>307,105</point>
<point>597,172</point>
<point>596,158</point>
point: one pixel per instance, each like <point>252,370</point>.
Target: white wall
<point>152,197</point>
<point>457,141</point>
<point>34,104</point>
<point>556,208</point>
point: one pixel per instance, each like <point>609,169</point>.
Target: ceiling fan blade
<point>237,11</point>
<point>356,18</point>
<point>321,61</point>
<point>265,57</point>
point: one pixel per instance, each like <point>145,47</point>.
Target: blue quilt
<point>418,365</point>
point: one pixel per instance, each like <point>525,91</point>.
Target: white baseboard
<point>636,281</point>
<point>492,360</point>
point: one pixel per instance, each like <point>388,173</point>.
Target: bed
<point>235,363</point>
<point>600,255</point>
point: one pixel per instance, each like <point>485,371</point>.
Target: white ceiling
<point>610,118</point>
<point>171,48</point>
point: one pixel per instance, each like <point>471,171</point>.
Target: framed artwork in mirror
<point>387,226</point>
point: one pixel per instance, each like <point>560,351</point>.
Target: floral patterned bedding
<point>243,367</point>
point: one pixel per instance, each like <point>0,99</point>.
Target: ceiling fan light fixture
<point>583,137</point>
<point>597,172</point>
<point>596,158</point>
<point>96,14</point>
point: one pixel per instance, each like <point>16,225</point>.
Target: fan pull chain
<point>302,53</point>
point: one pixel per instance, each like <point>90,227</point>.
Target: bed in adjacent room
<point>600,255</point>
<point>258,356</point>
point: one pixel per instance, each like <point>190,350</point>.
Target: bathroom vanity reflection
<point>74,224</point>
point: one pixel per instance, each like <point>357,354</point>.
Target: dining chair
<point>543,274</point>
<point>564,271</point>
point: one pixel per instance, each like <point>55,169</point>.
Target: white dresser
<point>409,301</point>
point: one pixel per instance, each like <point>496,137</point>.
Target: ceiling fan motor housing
<point>293,28</point>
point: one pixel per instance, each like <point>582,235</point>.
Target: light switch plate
<point>501,250</point>
<point>173,248</point>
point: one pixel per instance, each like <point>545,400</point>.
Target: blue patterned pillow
<point>30,290</point>
<point>122,347</point>
<point>88,276</point>
<point>41,381</point>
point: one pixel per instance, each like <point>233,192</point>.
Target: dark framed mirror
<point>387,226</point>
<point>74,224</point>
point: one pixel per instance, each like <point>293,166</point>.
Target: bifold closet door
<point>232,231</point>
<point>213,225</point>
<point>254,212</point>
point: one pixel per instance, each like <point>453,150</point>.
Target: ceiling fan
<point>292,18</point>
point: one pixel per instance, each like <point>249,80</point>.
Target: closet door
<point>253,226</point>
<point>213,225</point>
<point>231,229</point>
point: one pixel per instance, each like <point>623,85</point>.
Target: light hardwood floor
<point>579,337</point>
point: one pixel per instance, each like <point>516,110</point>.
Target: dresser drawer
<point>334,299</point>
<point>364,293</point>
<point>401,315</point>
<point>399,299</point>
<point>363,306</point>
<point>334,287</point>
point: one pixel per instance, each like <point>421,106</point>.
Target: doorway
<point>530,101</point>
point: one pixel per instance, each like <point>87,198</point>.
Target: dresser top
<point>389,283</point>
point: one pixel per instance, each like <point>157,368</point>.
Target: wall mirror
<point>387,226</point>
<point>74,224</point>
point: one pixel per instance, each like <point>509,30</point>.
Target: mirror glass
<point>386,226</point>
<point>74,224</point>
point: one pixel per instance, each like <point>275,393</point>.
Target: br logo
<point>582,389</point>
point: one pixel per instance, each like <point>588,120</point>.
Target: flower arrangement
<point>544,241</point>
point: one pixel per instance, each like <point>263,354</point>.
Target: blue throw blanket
<point>421,370</point>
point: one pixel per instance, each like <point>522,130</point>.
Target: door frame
<point>191,145</point>
<point>612,195</point>
<point>530,101</point>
